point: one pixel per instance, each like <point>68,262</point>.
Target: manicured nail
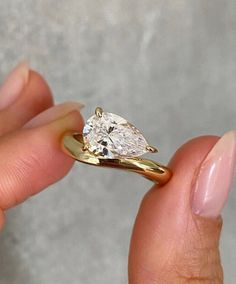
<point>13,85</point>
<point>215,178</point>
<point>72,121</point>
<point>53,113</point>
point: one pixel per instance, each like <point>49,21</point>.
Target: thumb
<point>176,234</point>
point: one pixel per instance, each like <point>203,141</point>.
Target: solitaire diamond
<point>111,136</point>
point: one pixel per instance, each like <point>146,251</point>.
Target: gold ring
<point>108,140</point>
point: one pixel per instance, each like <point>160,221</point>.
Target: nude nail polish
<point>13,85</point>
<point>53,113</point>
<point>215,177</point>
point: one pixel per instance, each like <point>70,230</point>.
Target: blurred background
<point>168,67</point>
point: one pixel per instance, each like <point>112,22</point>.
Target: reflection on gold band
<point>74,146</point>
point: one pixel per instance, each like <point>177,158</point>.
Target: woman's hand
<point>30,132</point>
<point>177,230</point>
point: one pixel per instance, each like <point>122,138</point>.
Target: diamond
<point>110,136</point>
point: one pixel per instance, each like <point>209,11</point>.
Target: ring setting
<point>108,135</point>
<point>110,140</point>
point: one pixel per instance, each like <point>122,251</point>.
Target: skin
<point>169,243</point>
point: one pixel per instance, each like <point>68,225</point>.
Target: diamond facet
<point>111,136</point>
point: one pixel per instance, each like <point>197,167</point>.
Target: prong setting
<point>85,147</point>
<point>98,111</point>
<point>151,149</point>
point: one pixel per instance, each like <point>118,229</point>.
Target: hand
<point>177,230</point>
<point>30,132</point>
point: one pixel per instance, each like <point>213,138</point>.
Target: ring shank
<point>74,146</point>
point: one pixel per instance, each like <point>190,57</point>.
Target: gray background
<point>168,66</point>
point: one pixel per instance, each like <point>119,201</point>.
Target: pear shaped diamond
<point>110,136</point>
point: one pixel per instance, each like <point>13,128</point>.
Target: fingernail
<point>215,178</point>
<point>13,85</point>
<point>53,113</point>
<point>72,121</point>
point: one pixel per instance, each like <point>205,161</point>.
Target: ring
<point>108,140</point>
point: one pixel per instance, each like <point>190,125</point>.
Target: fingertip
<point>34,98</point>
<point>184,165</point>
<point>55,112</point>
<point>193,151</point>
<point>38,80</point>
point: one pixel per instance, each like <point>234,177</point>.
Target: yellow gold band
<point>74,146</point>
